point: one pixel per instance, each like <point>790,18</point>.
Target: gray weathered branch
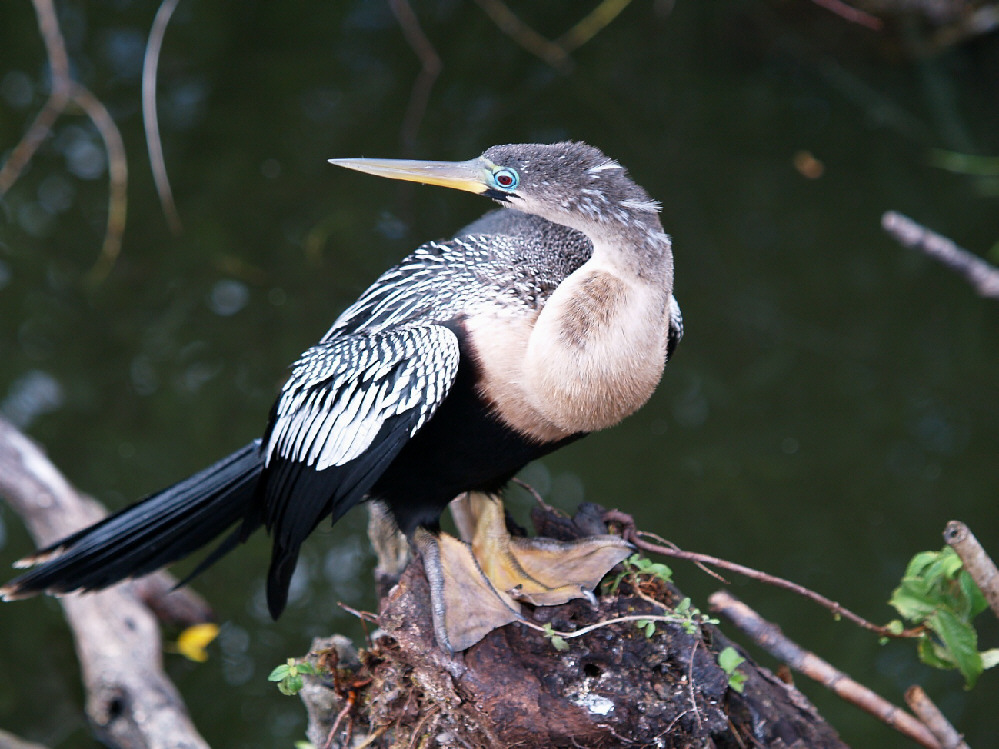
<point>130,701</point>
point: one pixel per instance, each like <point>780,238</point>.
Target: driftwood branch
<point>978,564</point>
<point>924,709</point>
<point>769,637</point>
<point>982,276</point>
<point>130,701</point>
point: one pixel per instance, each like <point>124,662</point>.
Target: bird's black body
<point>394,403</point>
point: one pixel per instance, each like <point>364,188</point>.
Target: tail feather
<point>160,529</point>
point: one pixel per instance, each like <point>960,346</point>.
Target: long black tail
<point>152,533</point>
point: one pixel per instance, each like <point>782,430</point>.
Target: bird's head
<point>568,183</point>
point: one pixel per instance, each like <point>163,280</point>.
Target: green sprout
<point>289,675</point>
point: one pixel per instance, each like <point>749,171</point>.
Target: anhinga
<point>470,358</point>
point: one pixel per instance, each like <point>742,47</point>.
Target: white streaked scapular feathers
<point>602,167</point>
<point>342,391</point>
<point>647,206</point>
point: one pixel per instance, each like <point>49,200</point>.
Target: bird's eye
<point>505,178</point>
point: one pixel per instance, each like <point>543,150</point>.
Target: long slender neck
<point>627,236</point>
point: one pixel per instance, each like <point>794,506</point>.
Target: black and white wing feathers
<point>351,404</point>
<point>342,392</point>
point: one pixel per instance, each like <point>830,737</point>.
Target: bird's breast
<point>592,355</point>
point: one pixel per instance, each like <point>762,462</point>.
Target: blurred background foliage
<point>833,403</point>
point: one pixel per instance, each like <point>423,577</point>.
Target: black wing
<point>350,405</point>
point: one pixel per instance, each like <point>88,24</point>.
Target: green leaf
<point>280,672</point>
<point>305,667</point>
<point>729,660</point>
<point>558,642</point>
<point>960,640</point>
<point>933,655</point>
<point>976,599</point>
<point>291,686</point>
<point>647,627</point>
<point>950,563</point>
<point>737,681</point>
<point>920,562</point>
<point>911,600</point>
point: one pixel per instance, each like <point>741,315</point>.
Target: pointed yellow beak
<point>461,175</point>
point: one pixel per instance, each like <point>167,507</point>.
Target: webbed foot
<point>477,583</point>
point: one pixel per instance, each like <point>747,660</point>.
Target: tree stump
<point>613,687</point>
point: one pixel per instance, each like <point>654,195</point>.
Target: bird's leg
<point>464,604</point>
<point>539,571</point>
<point>390,545</point>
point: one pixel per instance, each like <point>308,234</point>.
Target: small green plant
<point>642,569</point>
<point>639,565</point>
<point>557,641</point>
<point>938,594</point>
<point>289,675</point>
<point>729,660</point>
<point>647,627</point>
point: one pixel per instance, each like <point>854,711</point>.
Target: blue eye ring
<point>506,178</point>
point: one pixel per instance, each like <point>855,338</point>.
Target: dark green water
<point>833,404</point>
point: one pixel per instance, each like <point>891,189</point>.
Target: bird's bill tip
<point>459,175</point>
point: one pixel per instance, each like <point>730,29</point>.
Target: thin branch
<point>64,91</point>
<point>117,180</point>
<point>430,68</point>
<point>630,534</point>
<point>920,703</point>
<point>978,564</point>
<point>769,637</point>
<point>983,276</point>
<point>150,117</point>
<point>591,24</point>
<point>851,14</point>
<point>55,105</point>
<point>511,25</point>
<point>606,623</point>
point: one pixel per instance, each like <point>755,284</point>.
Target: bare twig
<point>591,24</point>
<point>978,564</point>
<point>669,619</point>
<point>769,637</point>
<point>55,49</point>
<point>630,534</point>
<point>64,91</point>
<point>920,703</point>
<point>511,25</point>
<point>536,495</point>
<point>851,14</point>
<point>130,701</point>
<point>149,115</point>
<point>430,69</point>
<point>117,180</point>
<point>983,277</point>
